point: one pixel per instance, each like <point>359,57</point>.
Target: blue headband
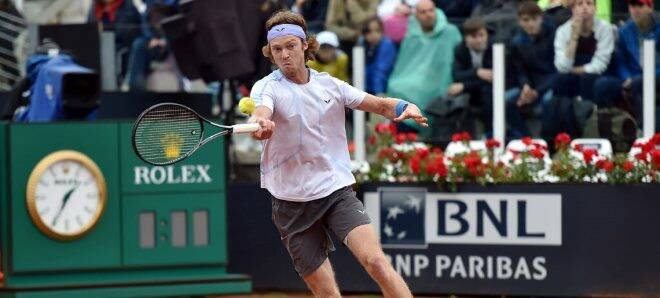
<point>285,29</point>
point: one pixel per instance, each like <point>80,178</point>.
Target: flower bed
<point>399,157</point>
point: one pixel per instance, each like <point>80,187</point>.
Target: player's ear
<point>304,45</point>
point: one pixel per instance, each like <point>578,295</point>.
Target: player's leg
<point>322,281</point>
<point>363,242</point>
<point>349,221</point>
<point>308,243</point>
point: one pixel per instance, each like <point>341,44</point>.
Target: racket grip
<point>245,128</point>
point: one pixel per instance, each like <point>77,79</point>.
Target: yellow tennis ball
<point>172,152</point>
<point>246,105</point>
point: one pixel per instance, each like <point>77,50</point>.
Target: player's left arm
<point>392,108</point>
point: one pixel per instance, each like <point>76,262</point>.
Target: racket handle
<point>245,128</point>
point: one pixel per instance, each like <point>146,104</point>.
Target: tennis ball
<point>246,105</point>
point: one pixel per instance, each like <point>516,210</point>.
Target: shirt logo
<point>327,101</point>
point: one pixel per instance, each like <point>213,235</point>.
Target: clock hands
<point>64,200</point>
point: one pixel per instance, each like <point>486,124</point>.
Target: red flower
<point>608,166</point>
<point>386,153</point>
<point>440,167</point>
<point>641,157</point>
<point>589,154</point>
<point>656,139</point>
<point>372,140</point>
<point>600,163</point>
<point>492,144</point>
<point>436,150</point>
<point>382,128</point>
<point>472,160</point>
<point>628,166</point>
<point>414,164</point>
<point>466,136</point>
<point>456,137</point>
<point>562,140</point>
<point>422,152</point>
<point>648,147</point>
<point>392,128</point>
<point>411,136</point>
<point>537,152</point>
<point>655,156</point>
<point>430,169</point>
<point>578,147</point>
<point>400,138</point>
<point>527,141</point>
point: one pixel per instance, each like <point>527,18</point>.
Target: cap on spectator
<point>641,2</point>
<point>329,38</point>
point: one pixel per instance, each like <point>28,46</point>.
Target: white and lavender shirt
<point>307,156</point>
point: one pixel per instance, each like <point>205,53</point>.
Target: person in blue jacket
<point>643,25</point>
<point>380,56</point>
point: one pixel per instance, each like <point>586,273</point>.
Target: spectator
<point>583,48</point>
<point>122,17</point>
<point>330,58</point>
<point>314,12</point>
<point>603,9</point>
<point>641,26</point>
<point>152,46</point>
<point>422,71</point>
<point>532,47</point>
<point>346,18</point>
<point>473,69</point>
<point>381,55</point>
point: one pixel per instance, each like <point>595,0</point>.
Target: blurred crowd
<point>562,56</point>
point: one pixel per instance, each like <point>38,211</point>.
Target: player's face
<point>584,8</point>
<point>477,41</point>
<point>530,24</point>
<point>288,53</point>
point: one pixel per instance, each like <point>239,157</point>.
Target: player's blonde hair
<point>288,17</point>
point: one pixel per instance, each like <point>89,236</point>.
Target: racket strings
<point>167,133</point>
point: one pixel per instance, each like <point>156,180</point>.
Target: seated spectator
<point>150,52</point>
<point>422,71</point>
<point>330,58</point>
<point>122,17</point>
<point>629,81</point>
<point>381,55</point>
<point>583,48</point>
<point>314,12</point>
<point>532,47</point>
<point>473,69</point>
<point>346,18</point>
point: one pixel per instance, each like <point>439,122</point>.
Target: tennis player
<point>305,164</point>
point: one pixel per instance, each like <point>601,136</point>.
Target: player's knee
<point>377,266</point>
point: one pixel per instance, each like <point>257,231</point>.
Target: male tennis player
<point>305,163</point>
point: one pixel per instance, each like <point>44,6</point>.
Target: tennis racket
<point>167,133</point>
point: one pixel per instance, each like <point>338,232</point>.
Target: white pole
<point>359,64</point>
<point>649,88</point>
<point>499,125</point>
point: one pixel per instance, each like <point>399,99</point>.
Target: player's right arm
<point>262,115</point>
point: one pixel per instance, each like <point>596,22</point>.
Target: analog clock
<point>66,195</point>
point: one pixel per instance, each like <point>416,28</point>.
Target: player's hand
<point>266,129</point>
<point>413,112</point>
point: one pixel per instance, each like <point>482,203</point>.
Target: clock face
<point>66,195</point>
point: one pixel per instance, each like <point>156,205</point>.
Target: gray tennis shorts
<point>305,227</point>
